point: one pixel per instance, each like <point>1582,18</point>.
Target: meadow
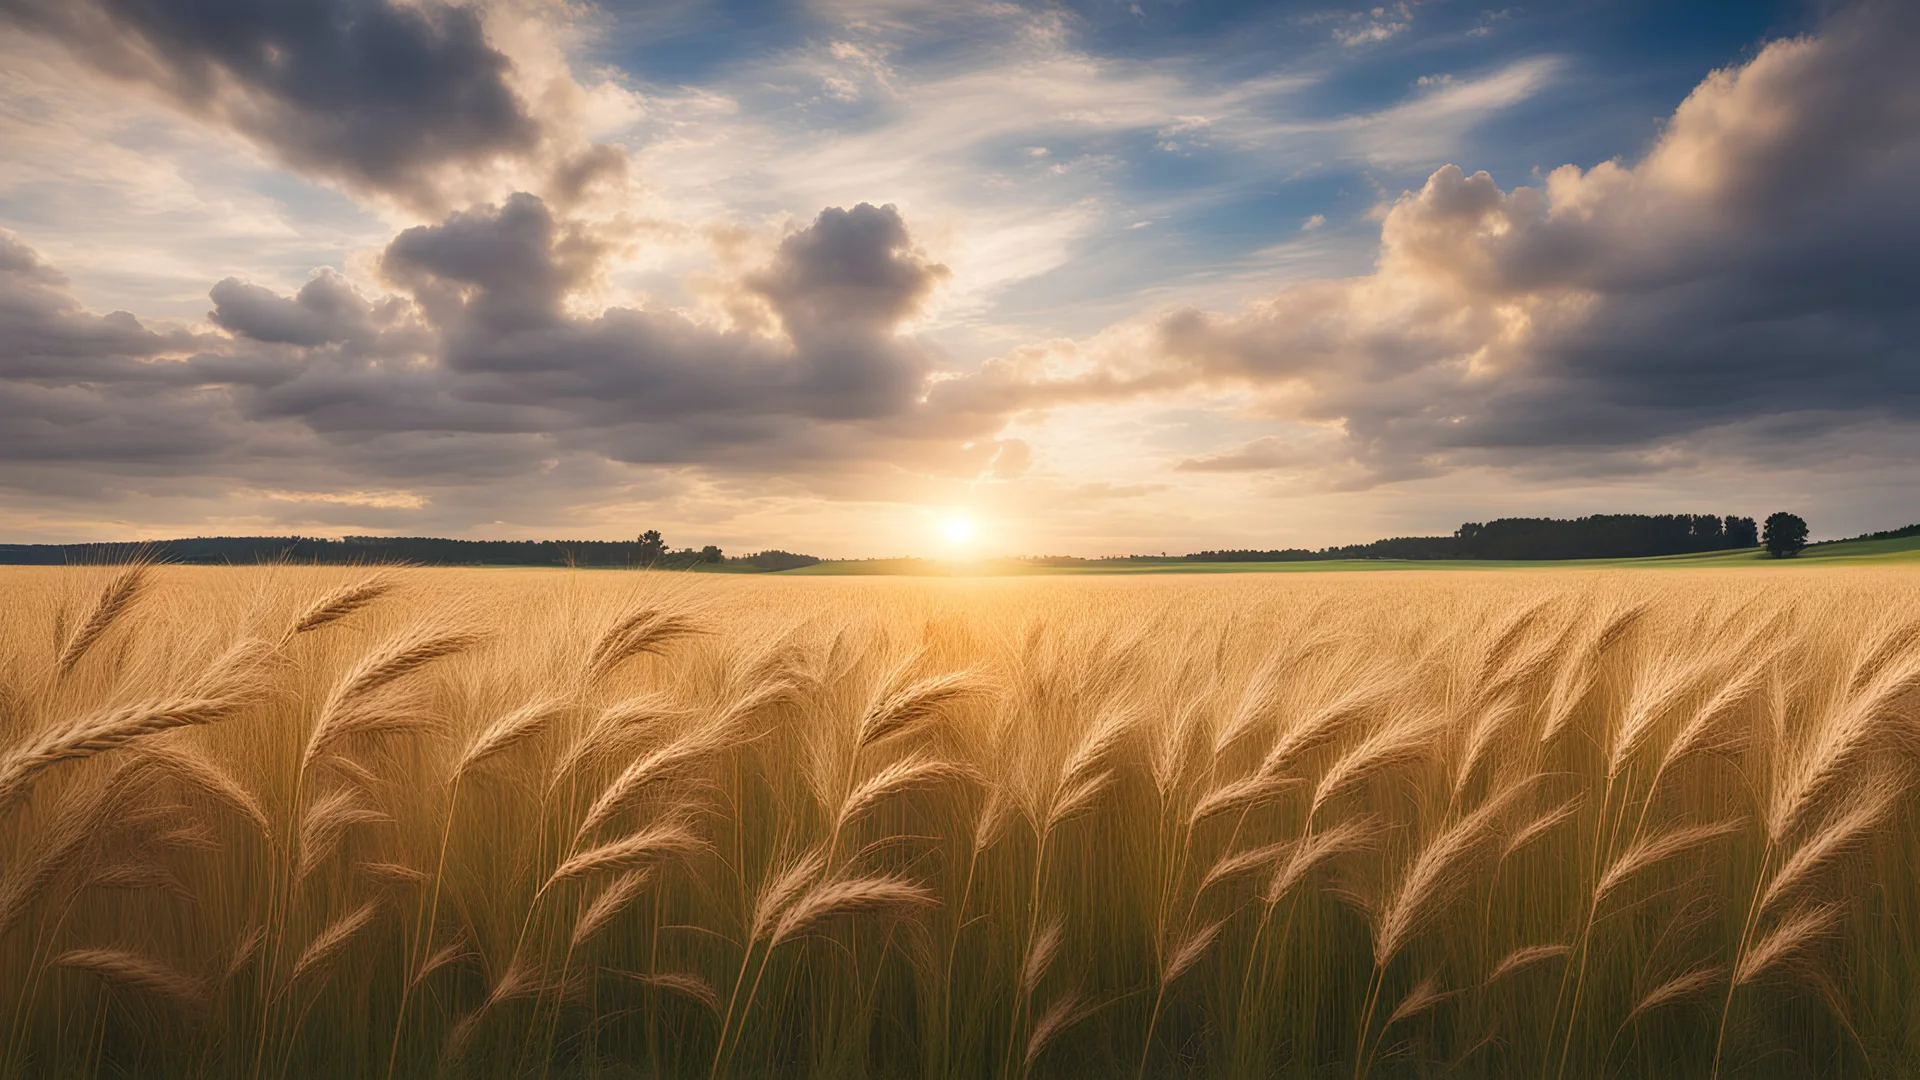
<point>331,822</point>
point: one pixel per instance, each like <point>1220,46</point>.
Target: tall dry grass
<point>277,822</point>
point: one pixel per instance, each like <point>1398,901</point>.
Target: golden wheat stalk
<point>613,728</point>
<point>245,948</point>
<point>1878,712</point>
<point>916,704</point>
<point>196,772</point>
<point>1654,696</point>
<point>1404,741</point>
<point>331,941</point>
<point>1490,723</point>
<point>669,839</point>
<point>1542,825</point>
<point>610,903</point>
<point>1040,954</point>
<point>684,983</point>
<point>101,732</point>
<point>1322,726</point>
<point>1441,870</point>
<point>527,722</point>
<point>779,890</point>
<point>1239,864</point>
<point>914,773</point>
<point>518,981</point>
<point>1657,850</point>
<point>325,825</point>
<point>341,603</point>
<point>1256,707</point>
<point>1527,956</point>
<point>348,710</point>
<point>1189,950</point>
<point>1852,825</point>
<point>1682,987</point>
<point>1309,855</point>
<point>1709,729</point>
<point>1063,1014</point>
<point>1511,634</point>
<point>115,600</point>
<point>647,631</point>
<point>136,971</point>
<point>451,953</point>
<point>883,896</point>
<point>1791,939</point>
<point>674,761</point>
<point>391,873</point>
<point>1891,645</point>
<point>137,875</point>
<point>1425,994</point>
<point>1244,794</point>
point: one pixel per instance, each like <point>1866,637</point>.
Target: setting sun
<point>958,530</point>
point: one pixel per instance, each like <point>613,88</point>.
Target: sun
<point>958,530</point>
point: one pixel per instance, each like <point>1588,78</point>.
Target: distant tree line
<point>1889,534</point>
<point>649,550</point>
<point>1601,536</point>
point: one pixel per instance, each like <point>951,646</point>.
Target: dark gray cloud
<point>379,93</point>
<point>326,310</point>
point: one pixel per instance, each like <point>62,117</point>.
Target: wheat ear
<point>1441,870</point>
<point>139,972</point>
<point>666,840</point>
<point>916,704</point>
<point>908,774</point>
<point>642,632</point>
<point>610,903</point>
<point>1525,957</point>
<point>1656,850</point>
<point>338,934</point>
<point>114,602</point>
<point>526,722</point>
<point>884,896</point>
<point>341,603</point>
<point>100,732</point>
<point>1680,988</point>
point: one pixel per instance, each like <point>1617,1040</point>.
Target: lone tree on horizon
<point>651,547</point>
<point>1785,535</point>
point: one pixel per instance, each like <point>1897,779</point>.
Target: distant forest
<point>1602,536</point>
<point>648,551</point>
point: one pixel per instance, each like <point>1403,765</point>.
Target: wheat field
<point>325,822</point>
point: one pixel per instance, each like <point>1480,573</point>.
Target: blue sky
<point>1100,276</point>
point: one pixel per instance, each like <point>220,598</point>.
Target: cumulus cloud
<point>326,310</point>
<point>476,379</point>
<point>1756,264</point>
<point>384,95</point>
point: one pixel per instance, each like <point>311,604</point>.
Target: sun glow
<point>958,531</point>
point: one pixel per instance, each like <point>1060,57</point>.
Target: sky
<point>886,277</point>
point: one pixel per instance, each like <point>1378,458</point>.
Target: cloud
<point>477,389</point>
<point>1432,124</point>
<point>1754,269</point>
<point>380,94</point>
<point>326,310</point>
